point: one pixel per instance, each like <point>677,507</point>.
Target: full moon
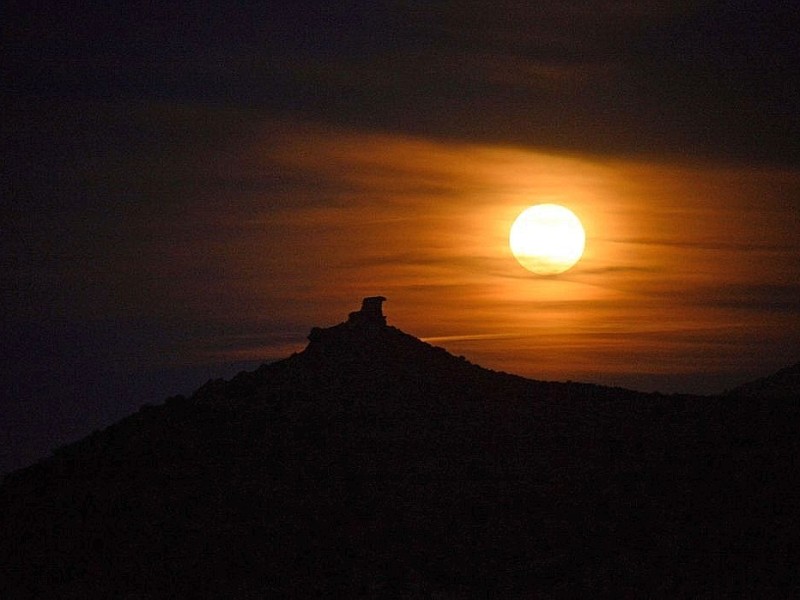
<point>547,239</point>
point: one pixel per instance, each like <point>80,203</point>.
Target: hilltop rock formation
<point>371,312</point>
<point>372,464</point>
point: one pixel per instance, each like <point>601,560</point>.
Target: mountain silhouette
<point>783,385</point>
<point>372,464</point>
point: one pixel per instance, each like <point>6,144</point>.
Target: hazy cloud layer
<point>189,186</point>
<point>682,79</point>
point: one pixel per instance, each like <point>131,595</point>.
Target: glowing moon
<point>547,239</point>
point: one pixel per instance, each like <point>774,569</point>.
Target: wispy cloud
<point>291,223</point>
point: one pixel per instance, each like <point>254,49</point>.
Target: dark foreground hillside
<point>372,464</point>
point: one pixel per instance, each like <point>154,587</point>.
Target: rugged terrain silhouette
<point>373,464</point>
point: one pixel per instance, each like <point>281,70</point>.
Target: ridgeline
<point>372,464</point>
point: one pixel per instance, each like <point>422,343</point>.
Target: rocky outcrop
<point>369,319</point>
<point>371,312</point>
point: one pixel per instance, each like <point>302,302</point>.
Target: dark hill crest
<point>372,464</point>
<point>784,384</point>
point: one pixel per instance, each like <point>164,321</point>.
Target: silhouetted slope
<point>785,384</point>
<point>373,464</point>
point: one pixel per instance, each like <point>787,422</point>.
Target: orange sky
<point>187,186</point>
<point>687,269</point>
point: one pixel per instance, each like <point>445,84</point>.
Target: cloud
<point>676,79</point>
<point>758,298</point>
<point>707,245</point>
<point>256,223</point>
